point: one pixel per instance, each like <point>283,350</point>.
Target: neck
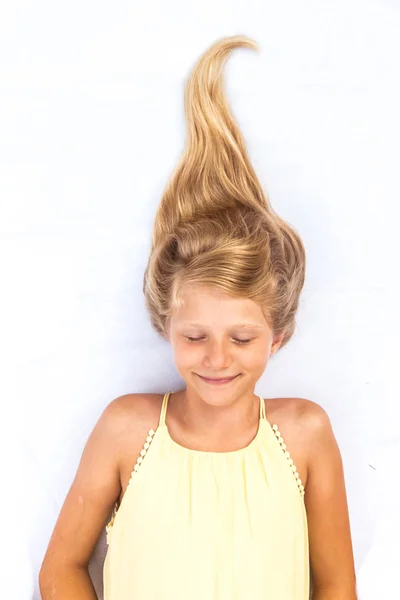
<point>197,415</point>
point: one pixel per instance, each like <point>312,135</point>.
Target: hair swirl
<point>214,225</point>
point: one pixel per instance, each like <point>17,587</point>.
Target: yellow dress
<point>197,525</point>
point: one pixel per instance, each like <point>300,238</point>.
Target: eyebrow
<point>237,326</point>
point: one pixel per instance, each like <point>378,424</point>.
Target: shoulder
<point>305,414</point>
<point>128,416</point>
<point>140,405</point>
<point>305,427</point>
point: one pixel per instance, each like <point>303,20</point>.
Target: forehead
<point>210,307</point>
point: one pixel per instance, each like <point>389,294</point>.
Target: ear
<point>276,344</point>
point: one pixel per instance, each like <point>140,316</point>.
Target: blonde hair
<point>214,225</point>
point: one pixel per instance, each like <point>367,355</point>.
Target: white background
<point>91,122</point>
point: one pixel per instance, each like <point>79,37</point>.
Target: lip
<point>220,381</point>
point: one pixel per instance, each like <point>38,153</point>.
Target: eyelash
<point>239,342</point>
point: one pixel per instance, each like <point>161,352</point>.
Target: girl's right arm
<point>64,572</point>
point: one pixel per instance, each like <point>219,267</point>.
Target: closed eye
<point>237,341</point>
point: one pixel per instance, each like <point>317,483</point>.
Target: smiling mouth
<point>219,380</point>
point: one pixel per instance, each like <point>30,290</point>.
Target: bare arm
<point>331,553</point>
<point>64,571</point>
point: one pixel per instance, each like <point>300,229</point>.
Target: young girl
<point>218,494</point>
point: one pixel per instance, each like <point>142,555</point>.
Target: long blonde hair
<point>214,225</point>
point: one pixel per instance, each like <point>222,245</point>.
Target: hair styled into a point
<point>214,225</point>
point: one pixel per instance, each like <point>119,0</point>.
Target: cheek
<point>254,359</point>
<point>186,355</point>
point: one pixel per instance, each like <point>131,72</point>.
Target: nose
<point>217,356</point>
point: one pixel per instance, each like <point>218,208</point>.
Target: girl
<point>217,493</point>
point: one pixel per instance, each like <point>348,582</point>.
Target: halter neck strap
<point>262,409</point>
<point>164,407</point>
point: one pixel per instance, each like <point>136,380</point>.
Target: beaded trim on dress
<point>291,462</point>
<point>139,461</point>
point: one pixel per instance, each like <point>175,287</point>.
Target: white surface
<point>91,124</point>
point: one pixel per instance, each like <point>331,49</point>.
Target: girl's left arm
<point>331,553</point>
